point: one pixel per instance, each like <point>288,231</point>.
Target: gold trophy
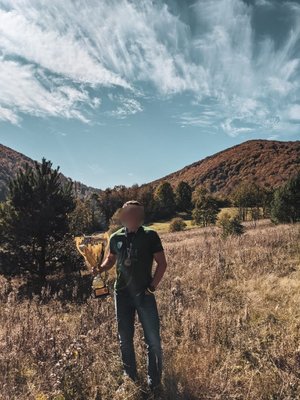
<point>92,248</point>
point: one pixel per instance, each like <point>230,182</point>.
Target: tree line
<point>41,215</point>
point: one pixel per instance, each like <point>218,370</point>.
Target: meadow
<point>163,226</point>
<point>230,325</point>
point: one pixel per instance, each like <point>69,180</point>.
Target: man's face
<point>131,216</point>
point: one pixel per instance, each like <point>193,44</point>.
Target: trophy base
<point>101,292</point>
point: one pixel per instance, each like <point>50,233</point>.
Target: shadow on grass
<point>173,390</point>
<point>66,288</point>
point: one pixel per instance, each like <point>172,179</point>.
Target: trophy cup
<point>92,248</point>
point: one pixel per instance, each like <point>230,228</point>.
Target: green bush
<point>230,225</point>
<point>177,224</point>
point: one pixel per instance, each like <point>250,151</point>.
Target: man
<point>134,246</point>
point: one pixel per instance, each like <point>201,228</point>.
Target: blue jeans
<point>126,305</point>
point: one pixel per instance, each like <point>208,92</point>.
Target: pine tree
<point>146,197</point>
<point>87,216</point>
<point>206,207</point>
<point>35,213</point>
<point>183,196</point>
<point>248,195</point>
<point>285,206</point>
<point>165,200</point>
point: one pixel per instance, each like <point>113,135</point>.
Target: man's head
<point>132,214</point>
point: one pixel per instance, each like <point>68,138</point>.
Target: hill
<point>11,160</point>
<point>266,162</point>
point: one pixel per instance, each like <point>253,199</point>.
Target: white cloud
<point>62,52</point>
<point>294,112</point>
<point>58,52</point>
<point>126,107</point>
<point>264,3</point>
<point>231,130</point>
<point>204,119</point>
<point>8,115</point>
<point>21,92</point>
<point>273,137</point>
<point>250,82</point>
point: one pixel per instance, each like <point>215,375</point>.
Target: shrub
<point>230,225</point>
<point>177,224</point>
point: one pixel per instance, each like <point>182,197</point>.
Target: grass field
<point>230,326</point>
<point>162,227</point>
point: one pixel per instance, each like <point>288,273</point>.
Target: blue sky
<point>127,91</point>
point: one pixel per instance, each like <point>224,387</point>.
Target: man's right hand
<point>106,265</point>
<point>95,271</point>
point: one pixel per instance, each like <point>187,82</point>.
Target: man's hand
<point>161,261</point>
<point>107,264</point>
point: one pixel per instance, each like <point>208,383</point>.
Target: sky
<point>119,92</point>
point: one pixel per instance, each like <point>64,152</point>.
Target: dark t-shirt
<point>145,242</point>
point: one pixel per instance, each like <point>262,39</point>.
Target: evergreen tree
<point>206,207</point>
<point>248,195</point>
<point>183,196</point>
<point>87,217</point>
<point>267,197</point>
<point>97,218</point>
<point>114,222</point>
<point>146,197</point>
<point>165,200</point>
<point>285,206</point>
<point>35,214</point>
<point>112,199</point>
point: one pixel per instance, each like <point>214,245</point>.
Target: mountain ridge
<point>11,160</point>
<point>267,162</point>
<point>220,171</point>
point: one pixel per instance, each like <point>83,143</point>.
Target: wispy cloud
<point>22,92</point>
<point>58,57</point>
<point>126,106</point>
<point>294,112</point>
<point>51,49</point>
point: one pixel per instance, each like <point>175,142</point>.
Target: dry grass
<point>163,227</point>
<point>230,325</point>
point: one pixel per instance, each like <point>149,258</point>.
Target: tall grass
<point>230,326</point>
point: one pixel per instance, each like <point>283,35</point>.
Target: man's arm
<point>161,266</point>
<point>107,264</point>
